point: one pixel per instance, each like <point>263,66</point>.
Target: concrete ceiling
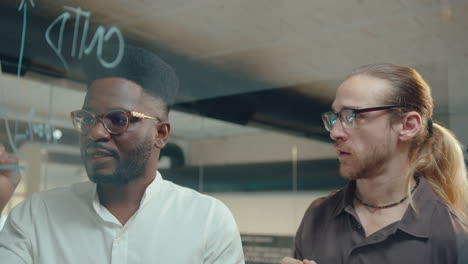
<point>299,43</point>
<point>306,46</point>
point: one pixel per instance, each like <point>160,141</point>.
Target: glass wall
<point>254,78</point>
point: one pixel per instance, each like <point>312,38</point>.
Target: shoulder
<point>328,201</point>
<point>448,228</point>
<point>444,213</point>
<point>319,214</point>
<point>180,192</point>
<point>54,199</point>
<point>186,197</point>
<point>322,208</point>
<point>65,195</point>
<point>209,212</point>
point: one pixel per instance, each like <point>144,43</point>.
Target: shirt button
<point>377,237</point>
<point>359,226</point>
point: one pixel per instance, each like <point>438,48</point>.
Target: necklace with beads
<point>387,205</point>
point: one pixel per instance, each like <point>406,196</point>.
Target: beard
<point>128,170</point>
<point>366,165</point>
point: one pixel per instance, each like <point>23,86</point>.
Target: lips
<point>99,153</point>
<point>342,153</point>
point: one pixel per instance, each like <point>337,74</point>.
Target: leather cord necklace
<point>387,205</point>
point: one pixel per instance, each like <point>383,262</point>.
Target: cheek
<point>127,142</point>
<point>84,140</point>
<point>364,143</point>
<point>136,134</point>
<point>123,145</point>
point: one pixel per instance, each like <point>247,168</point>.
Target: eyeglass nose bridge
<point>97,120</point>
<point>346,122</point>
<point>343,123</point>
<point>100,119</point>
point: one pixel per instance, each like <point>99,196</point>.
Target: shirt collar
<point>346,201</point>
<point>418,222</point>
<point>151,191</point>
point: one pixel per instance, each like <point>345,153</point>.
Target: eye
<point>87,120</point>
<point>332,120</point>
<point>118,120</point>
<point>348,115</point>
<point>84,119</point>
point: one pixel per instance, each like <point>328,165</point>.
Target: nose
<point>338,131</point>
<point>98,132</point>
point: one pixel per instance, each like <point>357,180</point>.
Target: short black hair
<point>139,65</point>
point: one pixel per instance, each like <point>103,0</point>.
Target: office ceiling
<point>274,63</point>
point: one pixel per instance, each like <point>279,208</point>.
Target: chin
<point>100,176</point>
<point>348,173</point>
<point>106,179</point>
<point>100,169</point>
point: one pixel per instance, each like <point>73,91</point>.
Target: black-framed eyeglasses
<point>115,121</point>
<point>347,116</point>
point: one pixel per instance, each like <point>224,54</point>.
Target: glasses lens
<point>329,120</point>
<point>83,120</point>
<point>116,121</point>
<point>348,116</point>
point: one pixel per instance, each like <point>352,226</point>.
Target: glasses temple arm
<point>141,115</point>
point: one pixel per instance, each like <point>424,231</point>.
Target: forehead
<point>111,93</point>
<point>361,91</point>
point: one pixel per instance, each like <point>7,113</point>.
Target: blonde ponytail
<point>435,152</point>
<point>441,160</point>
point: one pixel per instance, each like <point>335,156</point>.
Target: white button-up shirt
<point>173,225</point>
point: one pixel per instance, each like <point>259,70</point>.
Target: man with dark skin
<point>130,158</point>
<point>128,213</point>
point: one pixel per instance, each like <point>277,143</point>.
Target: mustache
<point>95,145</point>
<point>341,147</point>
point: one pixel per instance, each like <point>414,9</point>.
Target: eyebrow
<point>348,107</point>
<point>332,108</point>
<point>110,109</point>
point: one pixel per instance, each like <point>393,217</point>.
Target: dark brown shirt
<point>330,232</point>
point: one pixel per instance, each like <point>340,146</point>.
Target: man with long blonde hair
<point>407,198</point>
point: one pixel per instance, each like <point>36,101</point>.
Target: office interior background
<point>255,75</point>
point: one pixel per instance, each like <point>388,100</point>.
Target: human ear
<point>410,126</point>
<point>162,134</point>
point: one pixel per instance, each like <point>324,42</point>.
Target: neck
<point>130,193</point>
<point>389,186</point>
<point>123,200</point>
